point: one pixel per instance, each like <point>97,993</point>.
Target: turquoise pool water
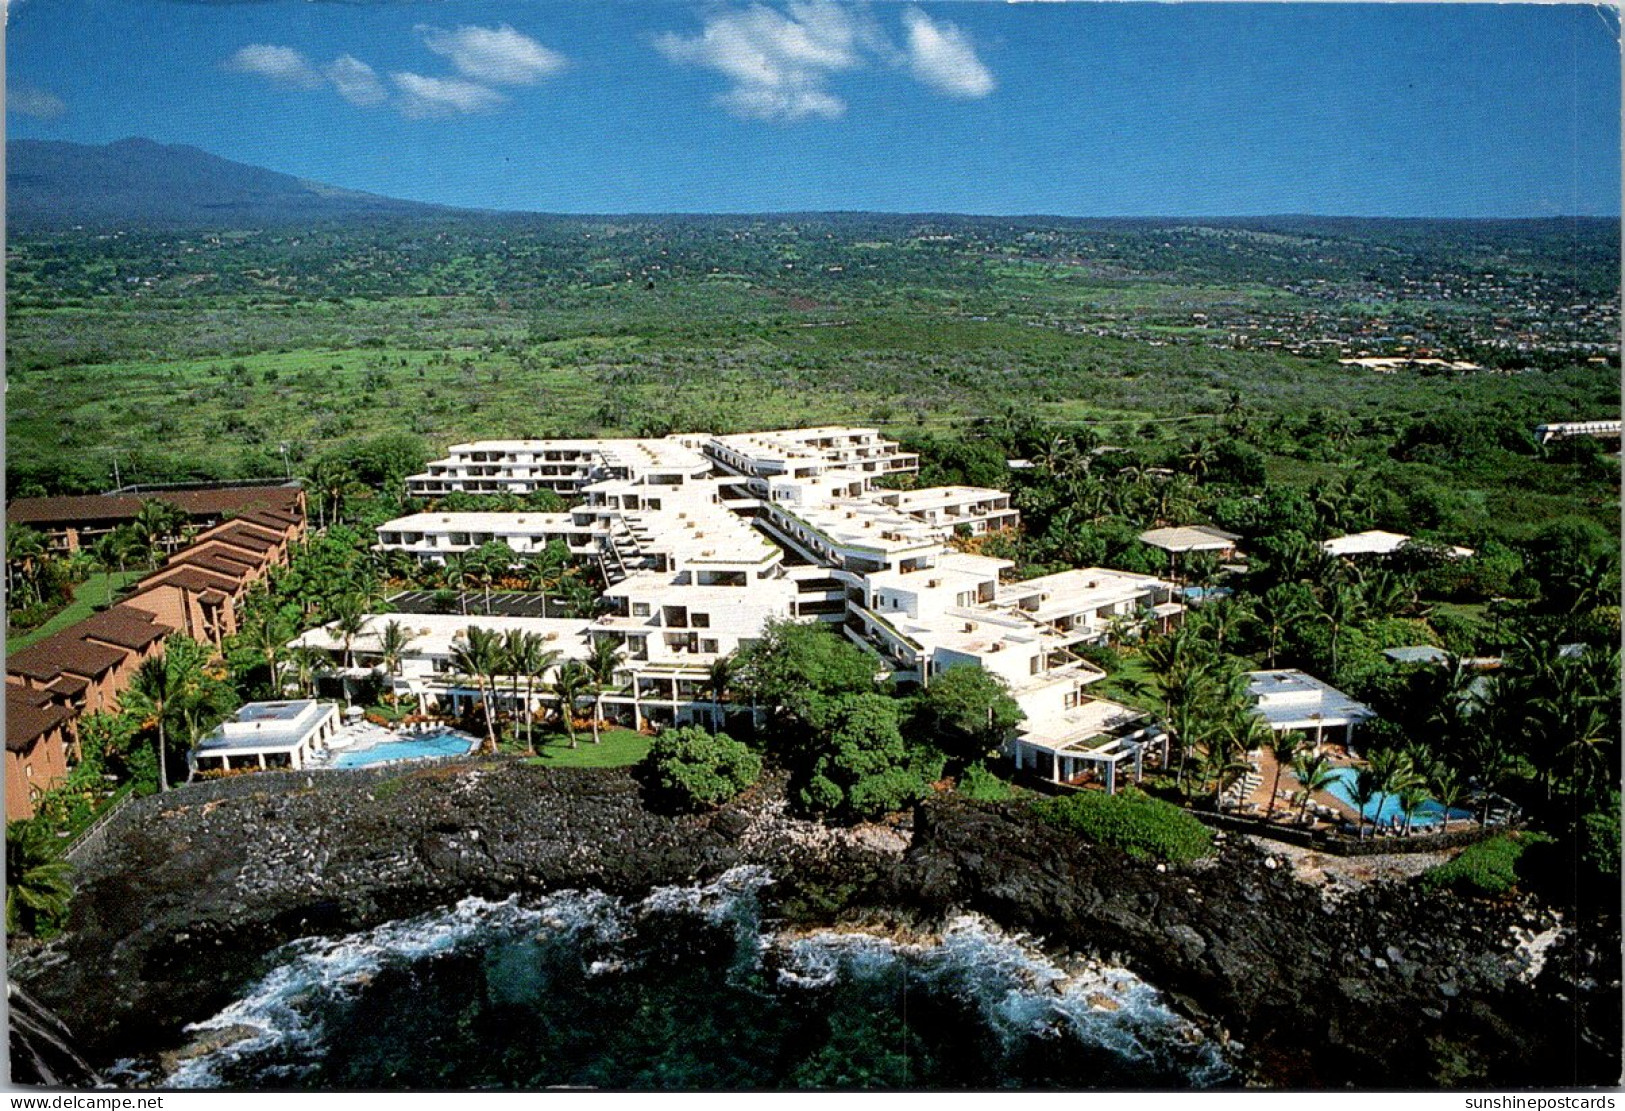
<point>442,742</point>
<point>1385,807</point>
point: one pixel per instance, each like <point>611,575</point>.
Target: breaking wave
<point>682,989</point>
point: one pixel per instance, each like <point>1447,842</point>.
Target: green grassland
<point>222,356</point>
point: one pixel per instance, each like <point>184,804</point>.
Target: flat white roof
<point>1289,699</point>
<point>1190,538</point>
<point>1378,542</point>
<point>513,524</point>
<point>1089,588</point>
<point>1078,727</point>
<point>267,727</point>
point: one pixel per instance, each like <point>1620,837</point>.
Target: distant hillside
<point>137,182</point>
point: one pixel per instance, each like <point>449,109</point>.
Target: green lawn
<point>1134,669</point>
<point>618,748</point>
<point>87,596</point>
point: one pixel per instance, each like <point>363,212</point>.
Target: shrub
<point>1136,823</point>
<point>695,770</point>
<point>1487,868</point>
<point>982,785</point>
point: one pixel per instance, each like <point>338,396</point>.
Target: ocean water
<point>685,989</point>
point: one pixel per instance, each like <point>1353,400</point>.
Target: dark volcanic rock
<point>1379,989</point>
<point>1322,999</point>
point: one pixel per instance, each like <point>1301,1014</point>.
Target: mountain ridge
<point>140,181</point>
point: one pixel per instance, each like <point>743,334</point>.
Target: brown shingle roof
<point>278,521</point>
<point>189,577</point>
<point>95,508</point>
<point>46,659</point>
<point>242,534</point>
<point>239,572</point>
<point>124,626</point>
<point>29,716</point>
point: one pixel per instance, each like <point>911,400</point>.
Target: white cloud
<point>941,55</point>
<point>281,64</point>
<point>439,97</point>
<point>495,55</point>
<point>28,100</point>
<point>355,81</point>
<point>780,63</point>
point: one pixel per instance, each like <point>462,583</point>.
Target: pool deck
<point>364,735</point>
<point>1256,801</point>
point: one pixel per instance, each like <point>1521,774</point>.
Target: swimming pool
<point>423,746</point>
<point>1385,807</point>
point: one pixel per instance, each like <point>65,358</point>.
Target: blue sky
<point>726,106</point>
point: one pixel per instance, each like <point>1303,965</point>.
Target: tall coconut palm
<point>570,683</point>
<point>1341,607</point>
<point>1276,611</point>
<point>1446,788</point>
<point>719,679</point>
<point>530,659</point>
<point>159,524</point>
<point>308,662</point>
<point>606,658</point>
<point>1411,799</point>
<point>1284,747</point>
<point>156,686</point>
<point>1366,787</point>
<point>477,653</point>
<point>25,549</point>
<point>393,641</point>
<point>349,621</point>
<point>1314,773</point>
<point>265,630</point>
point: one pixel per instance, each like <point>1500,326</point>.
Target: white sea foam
<point>1019,990</point>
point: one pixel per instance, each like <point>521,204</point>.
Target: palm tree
<point>307,663</point>
<point>1447,789</point>
<point>717,682</point>
<point>25,548</point>
<point>569,684</point>
<point>530,658</point>
<point>348,622</point>
<point>159,524</point>
<point>393,641</point>
<point>265,630</point>
<point>458,568</point>
<point>38,883</point>
<point>1366,787</point>
<point>154,684</point>
<point>1341,607</point>
<point>606,657</point>
<point>478,655</point>
<point>1284,746</point>
<point>1411,799</point>
<point>1276,611</point>
<point>1314,773</point>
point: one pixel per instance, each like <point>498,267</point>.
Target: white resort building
<point>1288,699</point>
<point>700,541</point>
<point>267,735</point>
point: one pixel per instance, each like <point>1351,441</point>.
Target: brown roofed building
<point>201,604</point>
<point>38,738</point>
<point>74,521</point>
<point>84,668</point>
